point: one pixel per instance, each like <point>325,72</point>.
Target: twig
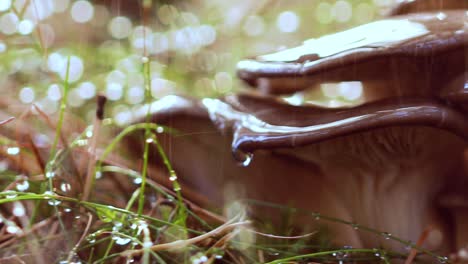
<point>75,248</point>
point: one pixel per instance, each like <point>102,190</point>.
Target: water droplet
<point>89,133</point>
<point>160,129</point>
<point>150,140</point>
<point>98,175</point>
<point>144,59</point>
<point>82,142</point>
<point>177,188</point>
<point>355,226</point>
<point>53,202</point>
<point>10,194</point>
<point>218,256</point>
<point>243,159</point>
<point>137,180</point>
<point>173,176</point>
<point>443,259</point>
<point>67,210</point>
<point>13,229</point>
<point>386,235</point>
<point>18,209</point>
<point>121,240</point>
<point>22,186</point>
<point>147,244</point>
<point>316,216</point>
<point>13,151</point>
<point>65,187</point>
<point>49,174</point>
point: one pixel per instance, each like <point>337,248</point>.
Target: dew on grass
<point>137,180</point>
<point>50,174</point>
<point>98,175</point>
<point>160,129</point>
<point>13,151</point>
<point>150,140</point>
<point>316,216</point>
<point>53,202</point>
<point>18,209</point>
<point>9,194</point>
<point>386,235</point>
<point>22,186</point>
<point>65,187</point>
<point>13,229</point>
<point>443,259</point>
<point>147,244</point>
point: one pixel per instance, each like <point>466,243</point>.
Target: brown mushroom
<point>382,164</point>
<point>377,164</point>
<point>411,6</point>
<point>418,54</point>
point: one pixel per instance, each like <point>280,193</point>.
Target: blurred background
<point>193,46</point>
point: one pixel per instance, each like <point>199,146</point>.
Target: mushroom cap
<point>429,46</point>
<point>412,6</point>
<point>264,122</point>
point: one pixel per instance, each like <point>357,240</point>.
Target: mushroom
<point>411,6</point>
<point>385,56</point>
<point>382,164</point>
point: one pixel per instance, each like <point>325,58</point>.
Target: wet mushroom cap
<point>263,122</point>
<point>412,6</point>
<point>388,54</point>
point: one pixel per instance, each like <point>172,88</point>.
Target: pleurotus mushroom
<point>416,54</point>
<point>382,164</point>
<point>411,6</point>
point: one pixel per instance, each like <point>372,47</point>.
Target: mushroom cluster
<point>393,162</point>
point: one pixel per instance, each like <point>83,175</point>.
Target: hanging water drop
<point>65,187</point>
<point>22,186</point>
<point>386,235</point>
<point>54,202</point>
<point>137,180</point>
<point>316,216</point>
<point>243,158</point>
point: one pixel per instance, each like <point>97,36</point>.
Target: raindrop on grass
<point>22,186</point>
<point>54,202</point>
<point>50,174</point>
<point>10,194</point>
<point>386,235</point>
<point>316,216</point>
<point>65,187</point>
<point>13,151</point>
<point>443,259</point>
<point>147,244</point>
<point>173,176</point>
<point>121,240</point>
<point>137,180</point>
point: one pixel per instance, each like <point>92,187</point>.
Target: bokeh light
<point>82,11</point>
<point>120,27</point>
<point>288,21</point>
